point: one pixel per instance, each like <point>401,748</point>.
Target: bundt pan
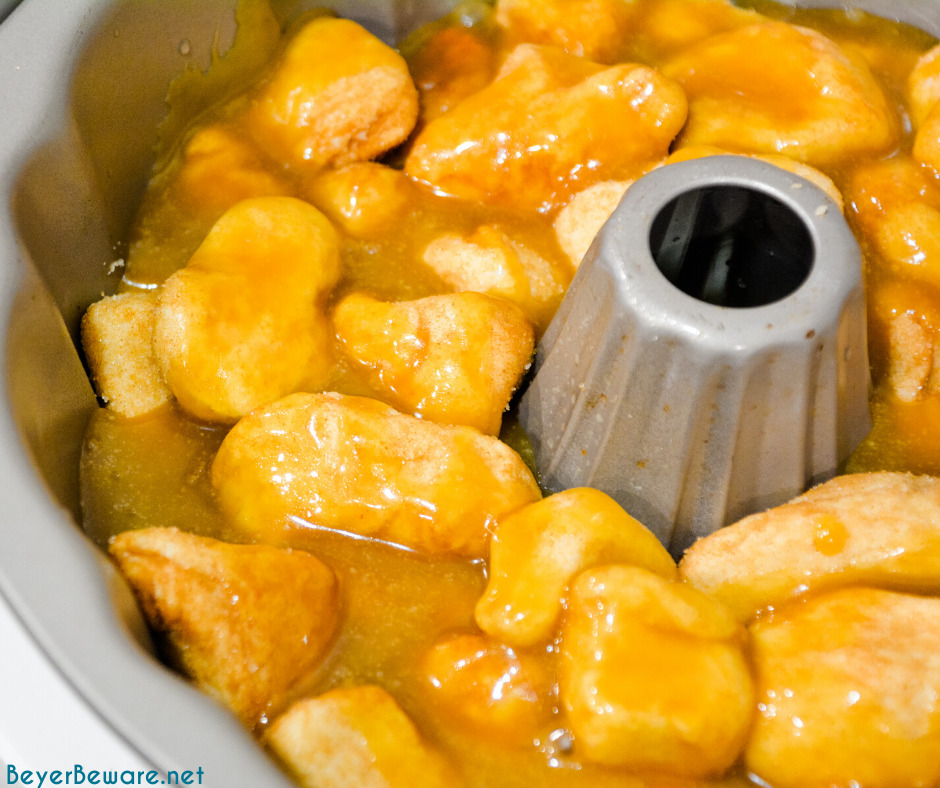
<point>82,95</point>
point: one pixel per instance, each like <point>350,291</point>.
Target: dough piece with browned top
<point>357,465</point>
<point>451,359</point>
<point>219,168</point>
<point>244,323</point>
<point>337,95</point>
<point>878,528</point>
<point>778,88</point>
<point>489,261</point>
<point>595,29</point>
<point>364,199</point>
<point>248,624</point>
<point>927,142</point>
<point>117,337</point>
<point>847,692</point>
<point>652,674</point>
<point>665,27</point>
<point>904,337</point>
<point>874,191</point>
<point>581,219</point>
<point>537,550</point>
<point>356,736</point>
<point>488,689</point>
<point>923,86</point>
<point>547,122</point>
<point>452,63</point>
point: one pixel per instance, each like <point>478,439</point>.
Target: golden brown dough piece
<point>897,206</point>
<point>244,322</point>
<point>777,88</point>
<point>581,219</point>
<point>847,689</point>
<point>337,95</point>
<point>904,336</point>
<point>908,240</point>
<point>488,261</point>
<point>876,189</point>
<point>117,337</point>
<point>527,139</point>
<point>927,142</point>
<point>355,464</point>
<point>653,675</point>
<point>356,737</point>
<point>451,359</point>
<point>248,624</point>
<point>594,29</point>
<point>537,550</point>
<point>878,528</point>
<point>664,27</point>
<point>923,86</point>
<point>485,687</point>
<point>453,63</point>
<point>220,168</point>
<point>363,199</point>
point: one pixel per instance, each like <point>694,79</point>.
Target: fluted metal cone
<point>693,414</point>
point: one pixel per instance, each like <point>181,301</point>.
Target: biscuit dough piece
<point>537,550</point>
<point>453,63</point>
<point>923,86</point>
<point>904,336</point>
<point>220,168</point>
<point>488,689</point>
<point>908,241</point>
<point>876,189</point>
<point>847,690</point>
<point>451,359</point>
<point>362,199</point>
<point>117,337</point>
<point>581,219</point>
<point>359,737</point>
<point>594,29</point>
<point>927,142</point>
<point>877,528</point>
<point>489,261</point>
<point>248,624</point>
<point>355,464</point>
<point>896,204</point>
<point>653,675</point>
<point>778,88</point>
<point>337,95</point>
<point>664,27</point>
<point>546,122</point>
<point>244,323</point>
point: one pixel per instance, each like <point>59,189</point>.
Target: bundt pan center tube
<point>709,359</point>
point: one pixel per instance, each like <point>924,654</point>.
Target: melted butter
<point>905,437</point>
<point>124,488</point>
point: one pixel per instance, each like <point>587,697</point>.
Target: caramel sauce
<point>831,535</point>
